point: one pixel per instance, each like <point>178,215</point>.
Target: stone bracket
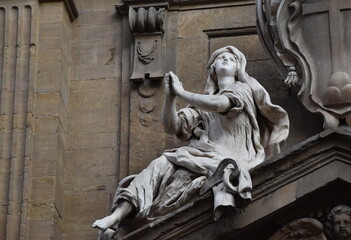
<point>147,27</point>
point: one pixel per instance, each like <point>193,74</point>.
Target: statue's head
<point>236,67</point>
<point>339,223</point>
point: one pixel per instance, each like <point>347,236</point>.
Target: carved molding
<point>231,32</point>
<point>70,6</point>
<point>287,31</point>
<point>17,62</point>
<point>180,4</point>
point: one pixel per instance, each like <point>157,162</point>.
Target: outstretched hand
<point>168,86</point>
<point>176,85</point>
<point>173,87</point>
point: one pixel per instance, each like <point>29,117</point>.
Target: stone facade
<point>73,122</point>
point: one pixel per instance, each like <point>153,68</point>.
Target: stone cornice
<point>180,4</point>
<point>70,6</point>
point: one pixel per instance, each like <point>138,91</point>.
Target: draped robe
<point>175,178</point>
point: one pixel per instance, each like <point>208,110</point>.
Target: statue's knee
<point>161,161</point>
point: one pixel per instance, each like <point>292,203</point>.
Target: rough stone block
<point>192,52</point>
<point>84,183</point>
<point>94,32</point>
<point>80,227</point>
<point>5,121</point>
<point>46,125</point>
<point>82,236</point>
<point>192,23</point>
<point>7,97</point>
<point>92,141</point>
<point>249,45</point>
<point>51,12</point>
<point>86,205</point>
<point>50,55</point>
<point>47,105</point>
<point>45,147</point>
<point>43,189</point>
<point>89,5</point>
<point>40,229</point>
<point>93,163</point>
<point>92,72</point>
<point>59,197</point>
<point>41,211</point>
<point>63,115</point>
<point>50,30</point>
<point>94,52</point>
<point>20,121</point>
<point>95,94</point>
<point>64,83</point>
<point>49,77</point>
<point>93,121</point>
<point>43,169</point>
<point>96,17</point>
<point>52,42</point>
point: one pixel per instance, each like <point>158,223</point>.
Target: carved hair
<point>211,85</point>
<point>273,121</point>
<point>338,210</point>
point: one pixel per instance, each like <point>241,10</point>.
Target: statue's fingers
<point>173,76</point>
<point>166,77</point>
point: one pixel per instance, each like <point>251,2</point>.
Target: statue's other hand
<point>177,86</point>
<point>167,85</point>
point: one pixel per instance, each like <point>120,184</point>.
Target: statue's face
<point>342,226</point>
<point>225,65</point>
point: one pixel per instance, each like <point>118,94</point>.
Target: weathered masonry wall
<point>34,61</point>
<point>93,117</point>
<point>50,122</point>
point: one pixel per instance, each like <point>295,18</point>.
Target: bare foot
<point>104,223</point>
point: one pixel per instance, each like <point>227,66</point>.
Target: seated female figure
<point>234,118</point>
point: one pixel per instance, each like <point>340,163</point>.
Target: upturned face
<point>342,227</point>
<point>225,65</point>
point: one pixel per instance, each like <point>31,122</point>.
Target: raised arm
<point>170,119</point>
<point>211,103</point>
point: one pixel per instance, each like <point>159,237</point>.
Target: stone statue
<point>234,119</point>
<point>339,223</point>
<point>338,227</point>
<point>302,229</point>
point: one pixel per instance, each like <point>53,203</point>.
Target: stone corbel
<point>146,25</point>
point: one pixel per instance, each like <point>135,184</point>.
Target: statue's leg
<point>140,193</point>
<point>123,209</point>
<point>142,190</point>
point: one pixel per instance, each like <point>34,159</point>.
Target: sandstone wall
<point>91,171</point>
